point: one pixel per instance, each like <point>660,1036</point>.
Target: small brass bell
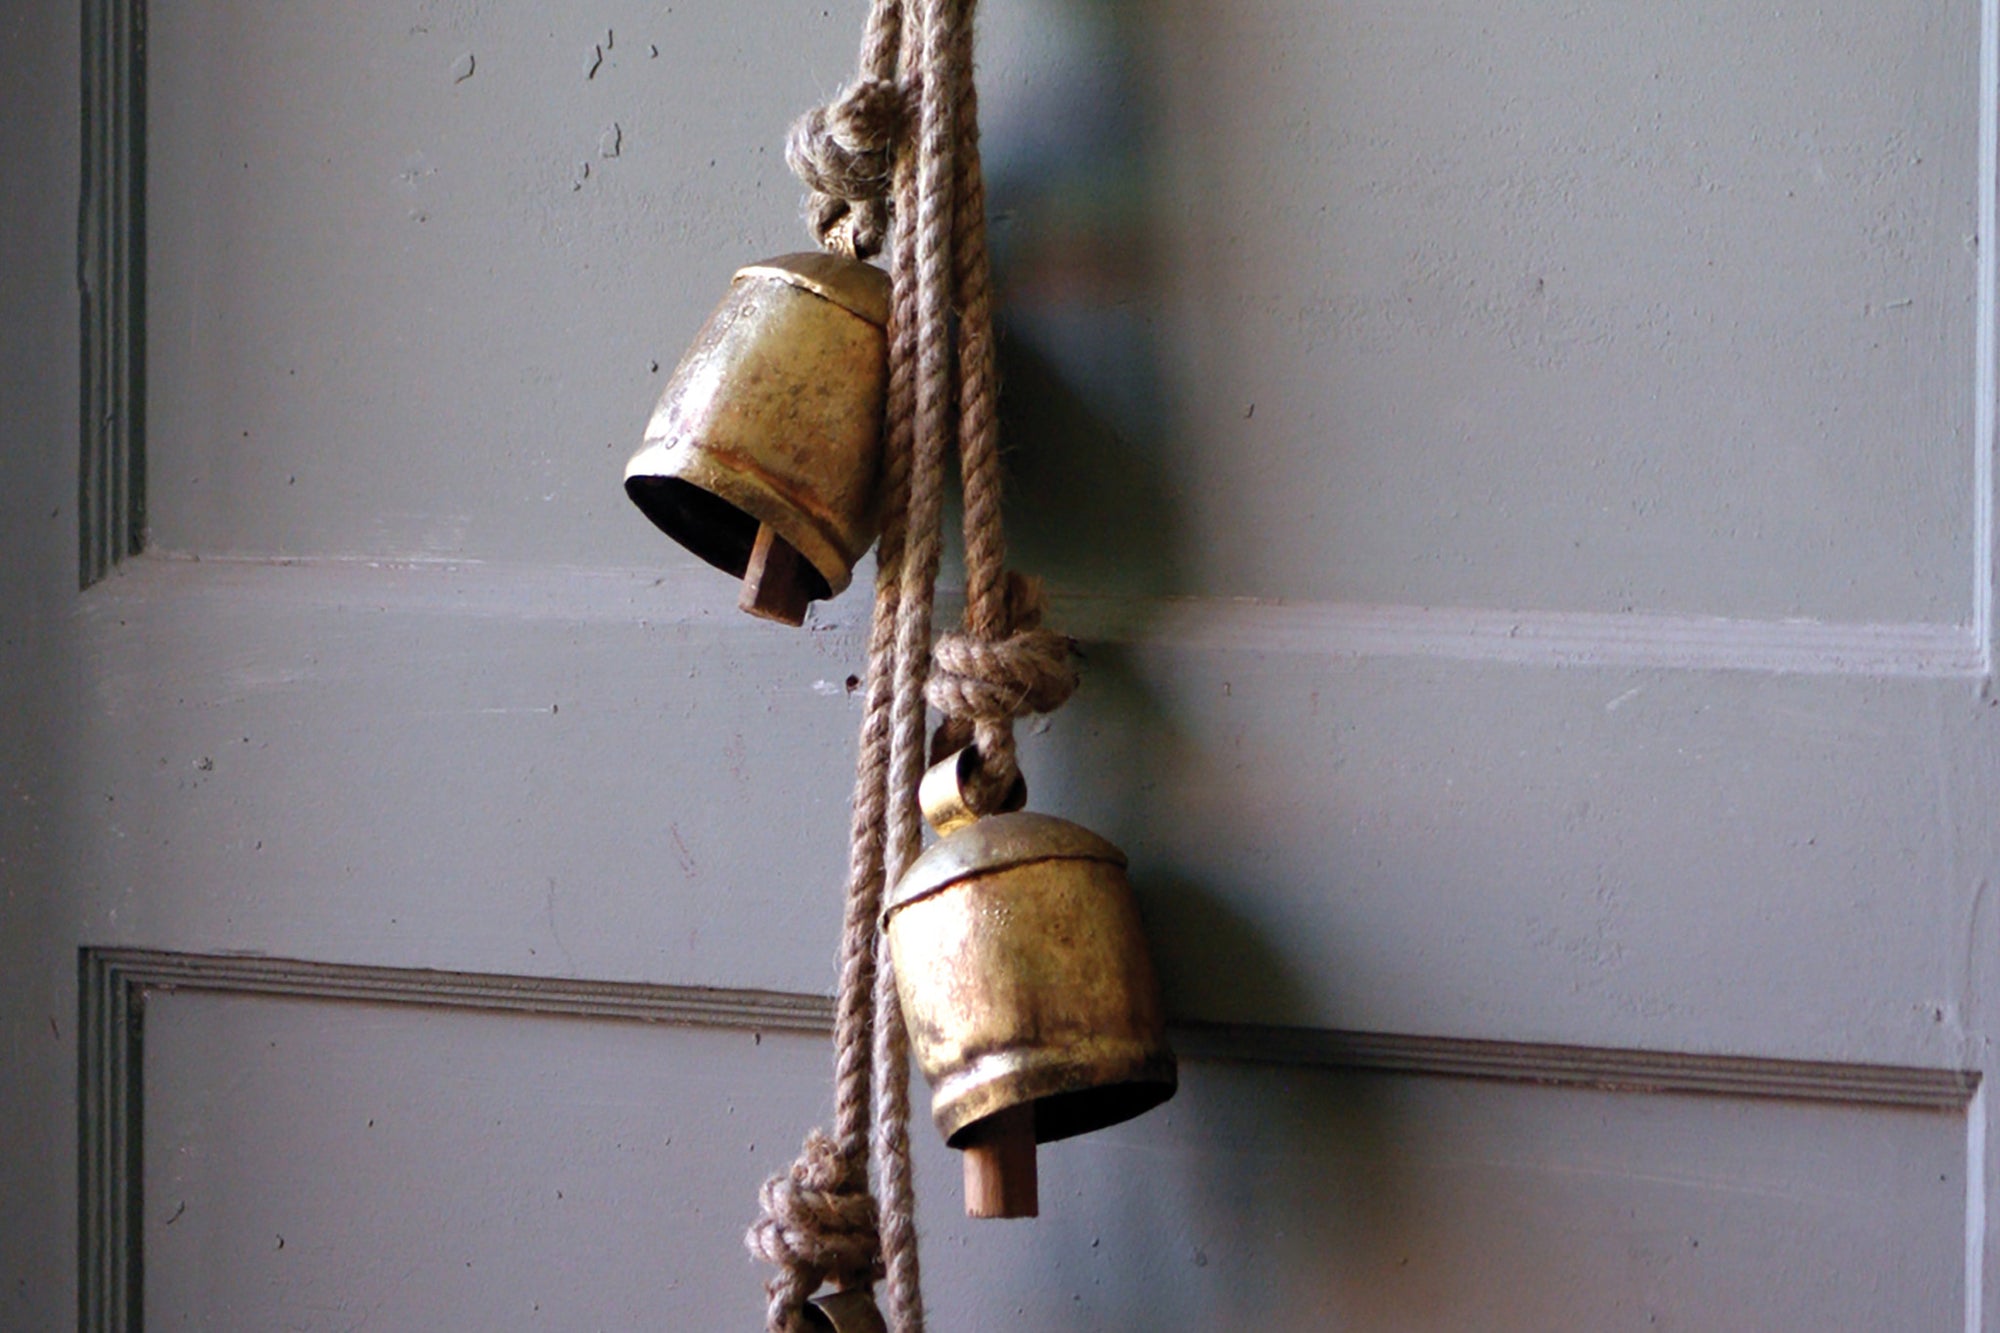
<point>844,1312</point>
<point>1028,990</point>
<point>764,452</point>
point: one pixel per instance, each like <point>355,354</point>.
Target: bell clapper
<point>774,583</point>
<point>1000,1176</point>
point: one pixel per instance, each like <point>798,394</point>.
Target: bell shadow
<point>1248,1139</point>
<point>1087,505</point>
<point>1089,427</point>
<point>1086,413</point>
<point>1264,1188</point>
<point>1282,1131</point>
<point>1271,1135</point>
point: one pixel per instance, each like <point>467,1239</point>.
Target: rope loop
<point>981,685</point>
<point>900,148</point>
<point>844,152</point>
<point>818,1224</point>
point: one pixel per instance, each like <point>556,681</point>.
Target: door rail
<point>115,984</point>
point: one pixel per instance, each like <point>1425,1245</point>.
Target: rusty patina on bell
<point>764,454</point>
<point>1029,993</point>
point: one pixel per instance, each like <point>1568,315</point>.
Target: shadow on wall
<point>1087,416</point>
<point>1084,409</point>
<point>1085,412</point>
<point>1262,1196</point>
<point>1288,1171</point>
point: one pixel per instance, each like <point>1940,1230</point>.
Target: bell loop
<point>841,237</point>
<point>949,797</point>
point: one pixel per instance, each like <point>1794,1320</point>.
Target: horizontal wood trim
<point>1608,1069</point>
<point>140,972</point>
<point>686,595</point>
<point>115,984</point>
<point>1563,638</point>
<point>560,997</point>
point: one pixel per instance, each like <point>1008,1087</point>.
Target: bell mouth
<point>1070,1096</point>
<point>708,525</point>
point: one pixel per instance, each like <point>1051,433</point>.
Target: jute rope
<point>894,160</point>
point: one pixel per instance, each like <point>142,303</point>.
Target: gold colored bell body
<point>1025,979</point>
<point>773,420</point>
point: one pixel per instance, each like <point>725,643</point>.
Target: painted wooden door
<point>1523,475</point>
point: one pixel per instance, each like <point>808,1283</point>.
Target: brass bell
<point>764,452</point>
<point>1028,991</point>
<point>844,1312</point>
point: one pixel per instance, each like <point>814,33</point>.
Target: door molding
<point>111,285</point>
<point>114,985</point>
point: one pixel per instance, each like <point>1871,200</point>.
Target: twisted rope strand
<point>890,1051</point>
<point>925,222</point>
<point>792,1232</point>
<point>842,151</point>
<point>854,1036</point>
<point>978,422</point>
<point>894,160</point>
<point>1001,666</point>
<point>815,1225</point>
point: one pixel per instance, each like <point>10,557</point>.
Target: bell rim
<point>995,843</point>
<point>852,1311</point>
<point>1122,1086</point>
<point>858,287</point>
<point>818,539</point>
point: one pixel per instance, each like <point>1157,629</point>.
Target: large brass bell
<point>764,452</point>
<point>1027,987</point>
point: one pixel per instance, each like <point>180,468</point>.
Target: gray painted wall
<point>1522,473</point>
<point>38,684</point>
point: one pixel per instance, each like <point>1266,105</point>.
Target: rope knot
<point>844,152</point>
<point>982,684</point>
<point>993,681</point>
<point>974,680</point>
<point>819,1223</point>
<point>843,148</point>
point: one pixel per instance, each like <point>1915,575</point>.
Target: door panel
<point>1522,477</point>
<point>417,273</point>
<point>421,1167</point>
<point>1539,308</point>
<point>425,1168</point>
<point>1601,307</point>
<point>597,776</point>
